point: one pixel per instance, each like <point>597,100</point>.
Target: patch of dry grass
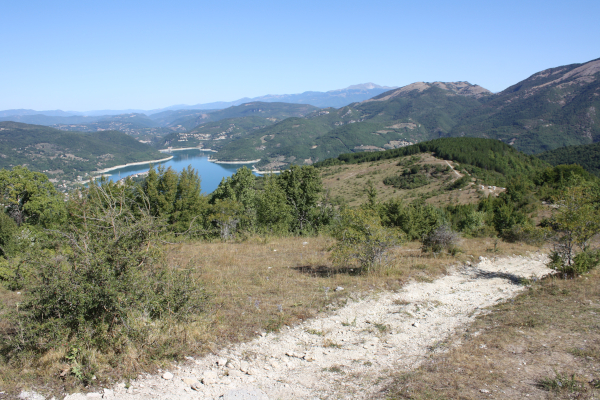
<point>542,345</point>
<point>262,284</point>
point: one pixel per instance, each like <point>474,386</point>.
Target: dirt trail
<point>348,353</point>
<point>458,174</point>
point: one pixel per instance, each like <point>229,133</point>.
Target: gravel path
<point>348,353</point>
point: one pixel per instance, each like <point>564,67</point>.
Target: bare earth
<point>348,353</point>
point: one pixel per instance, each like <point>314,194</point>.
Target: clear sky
<point>89,55</point>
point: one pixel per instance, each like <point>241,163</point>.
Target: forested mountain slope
<point>553,108</point>
<point>414,113</point>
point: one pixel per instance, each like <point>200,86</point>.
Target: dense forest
<point>586,155</point>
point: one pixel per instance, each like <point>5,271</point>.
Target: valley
<point>551,109</point>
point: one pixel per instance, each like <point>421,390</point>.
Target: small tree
<point>576,220</point>
<point>273,213</point>
<point>362,239</point>
<point>302,187</point>
<point>239,188</point>
<point>29,197</point>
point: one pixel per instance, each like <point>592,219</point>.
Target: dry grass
<point>542,345</point>
<point>263,284</point>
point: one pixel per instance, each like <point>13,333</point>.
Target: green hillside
<point>586,155</point>
<point>394,119</point>
<point>65,155</point>
<point>214,135</point>
<point>551,109</point>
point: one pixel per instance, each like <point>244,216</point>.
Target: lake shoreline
<point>257,171</point>
<point>185,148</point>
<point>105,170</point>
<point>233,162</point>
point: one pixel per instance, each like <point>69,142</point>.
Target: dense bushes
<point>98,281</point>
<point>416,220</point>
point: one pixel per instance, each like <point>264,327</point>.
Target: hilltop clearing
<point>443,171</point>
<point>421,176</point>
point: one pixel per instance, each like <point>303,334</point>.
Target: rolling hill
<point>441,171</point>
<point>411,114</point>
<point>488,159</point>
<point>202,127</point>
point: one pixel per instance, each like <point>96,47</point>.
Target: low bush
<point>459,183</point>
<point>526,233</point>
<point>573,264</point>
<point>407,180</point>
<point>442,238</point>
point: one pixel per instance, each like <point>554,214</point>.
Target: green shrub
<point>459,183</point>
<point>407,181</point>
<point>574,265</point>
<point>416,220</point>
<point>104,284</point>
<point>362,239</point>
<point>528,234</point>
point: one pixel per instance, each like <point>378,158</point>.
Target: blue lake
<point>209,172</point>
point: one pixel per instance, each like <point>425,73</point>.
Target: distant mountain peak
<point>461,88</point>
<point>363,86</point>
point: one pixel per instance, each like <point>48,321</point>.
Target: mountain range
<point>332,98</point>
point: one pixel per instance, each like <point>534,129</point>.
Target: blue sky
<point>89,55</point>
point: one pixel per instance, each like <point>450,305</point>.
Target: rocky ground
<point>348,353</point>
